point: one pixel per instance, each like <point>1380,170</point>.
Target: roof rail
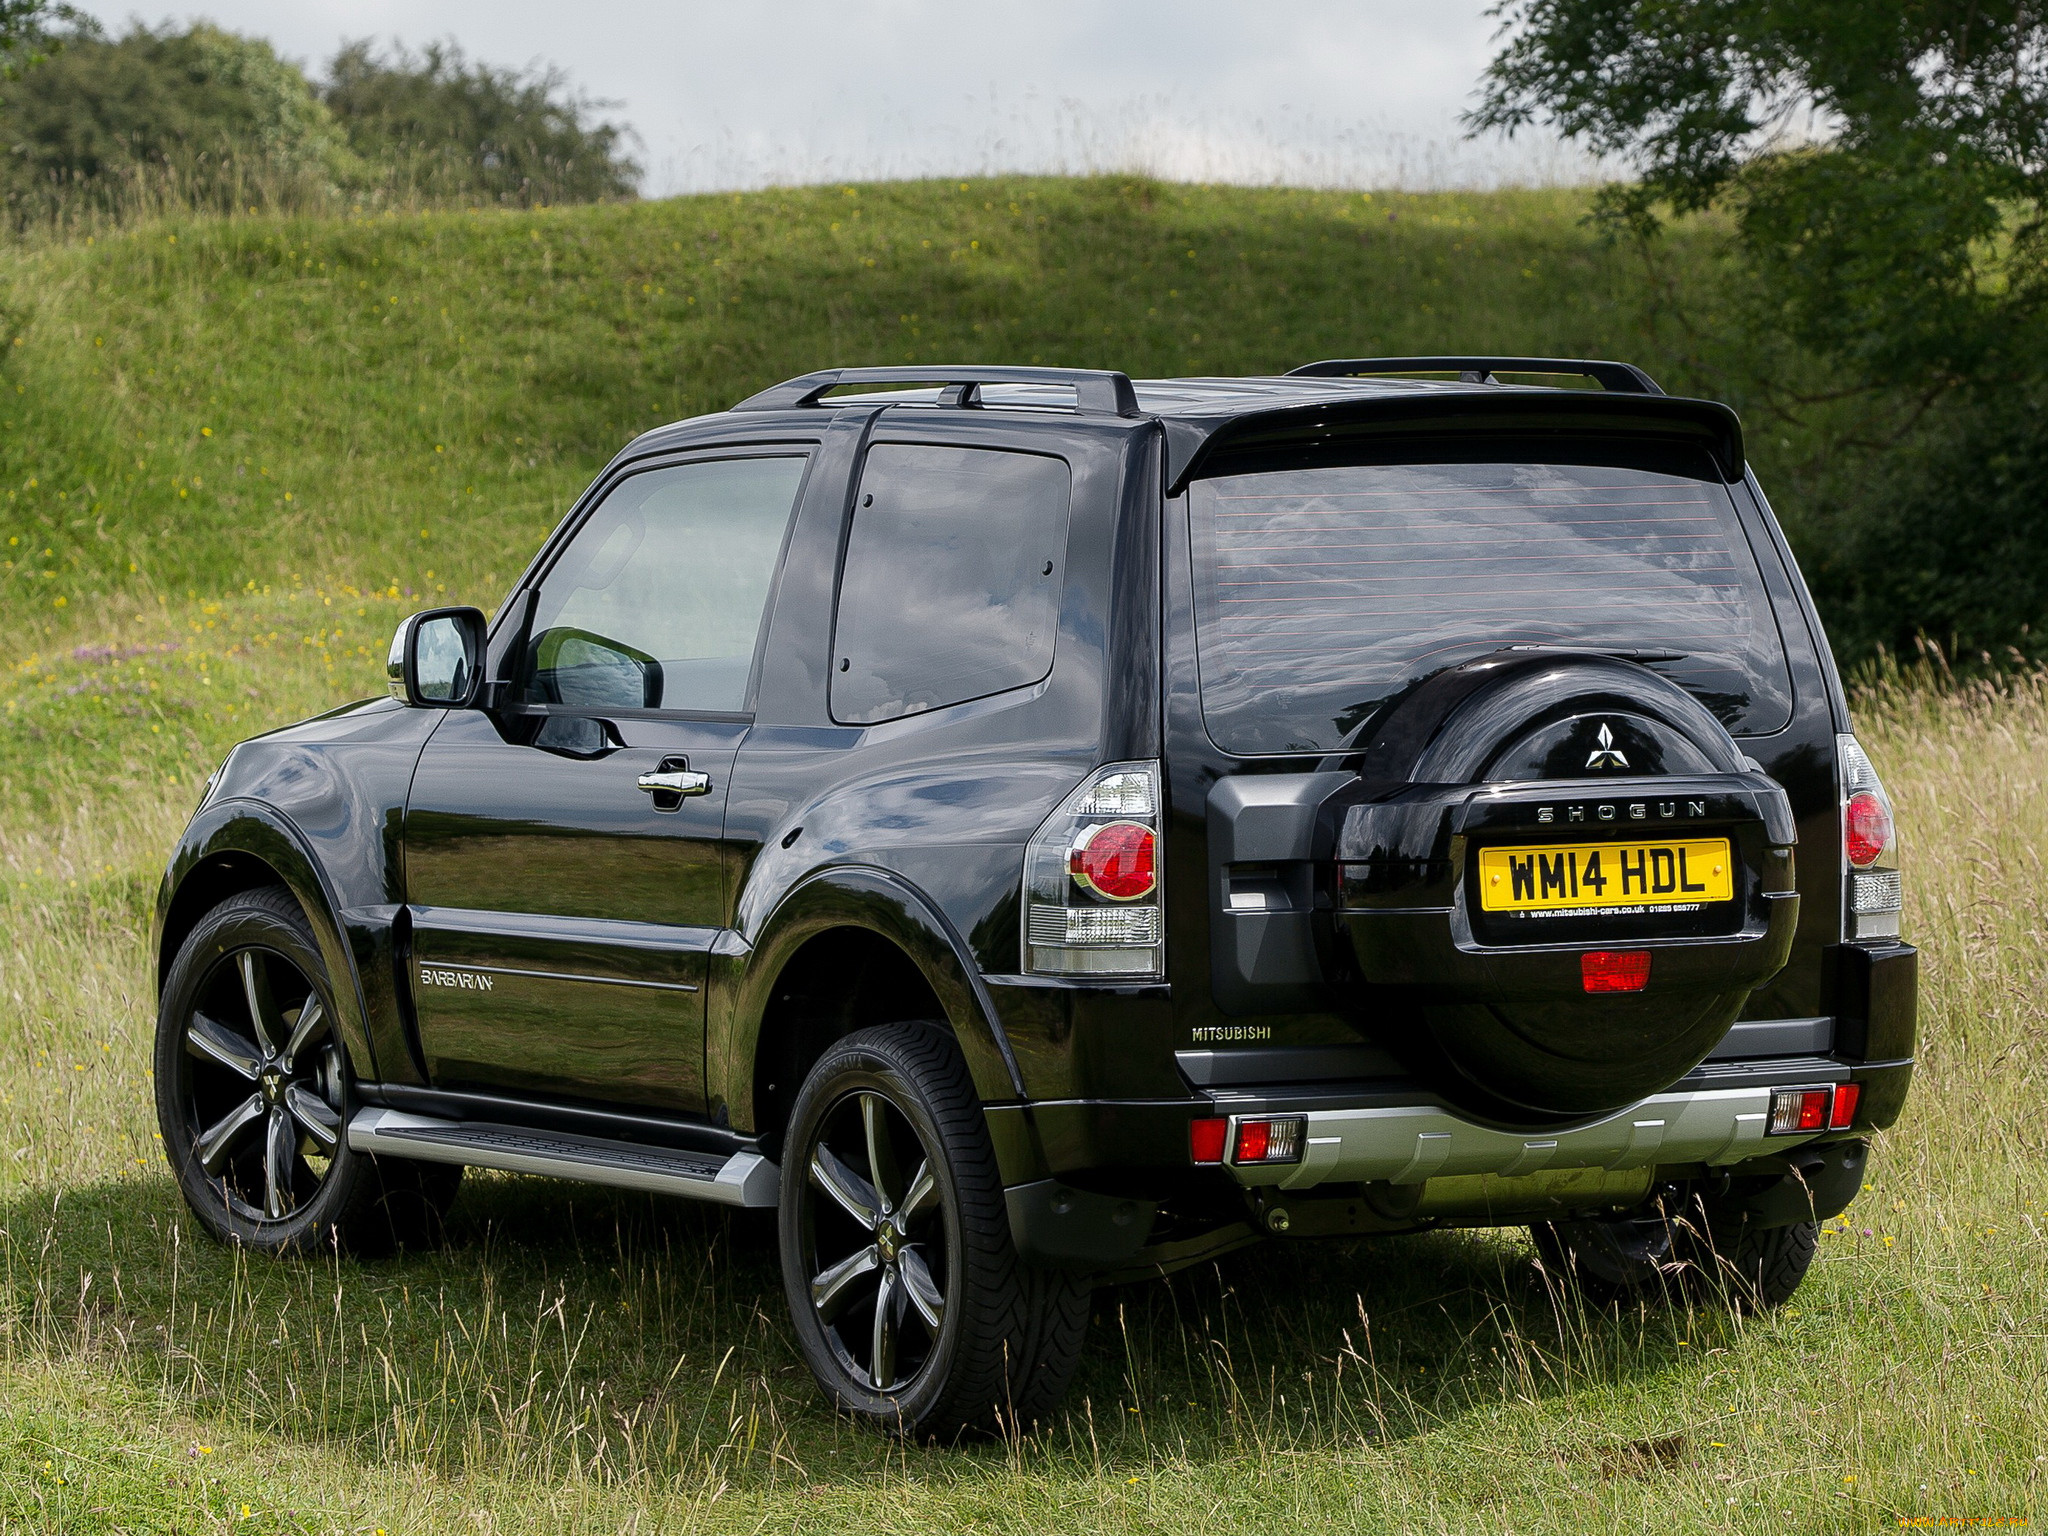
<point>1097,391</point>
<point>1618,378</point>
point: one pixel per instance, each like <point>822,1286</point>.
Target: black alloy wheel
<point>879,1246</point>
<point>263,1091</point>
<point>253,1094</point>
<point>907,1297</point>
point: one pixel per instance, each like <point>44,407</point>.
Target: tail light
<point>1799,1111</point>
<point>1117,860</point>
<point>1268,1141</point>
<point>1871,894</point>
<point>1794,1110</point>
<point>1091,880</point>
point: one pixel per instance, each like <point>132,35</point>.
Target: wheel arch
<point>848,947</point>
<point>245,845</point>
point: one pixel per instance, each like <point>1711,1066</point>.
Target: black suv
<point>1037,830</point>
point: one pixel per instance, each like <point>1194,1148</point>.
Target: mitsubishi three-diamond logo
<point>1605,755</point>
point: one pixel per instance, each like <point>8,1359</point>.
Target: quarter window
<point>951,589</point>
<point>657,601</point>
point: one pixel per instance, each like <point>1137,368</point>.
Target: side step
<point>744,1179</point>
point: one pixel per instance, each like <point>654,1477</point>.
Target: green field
<point>235,452</point>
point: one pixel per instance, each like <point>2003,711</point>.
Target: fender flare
<point>257,831</point>
<point>880,902</point>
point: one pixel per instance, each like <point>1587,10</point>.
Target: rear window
<point>1322,593</point>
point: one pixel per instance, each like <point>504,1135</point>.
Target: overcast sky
<point>1313,92</point>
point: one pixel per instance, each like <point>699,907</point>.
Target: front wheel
<point>253,1094</point>
<point>908,1299</point>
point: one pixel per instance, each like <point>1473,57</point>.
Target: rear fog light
<point>1799,1109</point>
<point>1206,1138</point>
<point>1615,970</point>
<point>1268,1141</point>
<point>1843,1115</point>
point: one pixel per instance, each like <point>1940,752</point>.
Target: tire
<point>1620,1260</point>
<point>970,1338</point>
<point>254,1089</point>
<point>1650,1256</point>
<point>1758,1268</point>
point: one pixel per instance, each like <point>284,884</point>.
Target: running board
<point>743,1179</point>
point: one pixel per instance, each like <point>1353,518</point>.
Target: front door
<point>562,852</point>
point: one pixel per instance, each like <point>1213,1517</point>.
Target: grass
<point>584,1360</point>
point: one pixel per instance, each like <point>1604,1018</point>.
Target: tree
<point>1885,166</point>
<point>28,32</point>
<point>449,129</point>
<point>203,114</point>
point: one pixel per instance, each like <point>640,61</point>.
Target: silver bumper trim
<point>1413,1143</point>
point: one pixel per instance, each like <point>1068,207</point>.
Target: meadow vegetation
<point>236,451</point>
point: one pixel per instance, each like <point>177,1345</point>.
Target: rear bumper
<point>1412,1144</point>
<point>1128,1140</point>
<point>1086,1180</point>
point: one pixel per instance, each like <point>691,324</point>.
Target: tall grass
<point>583,1358</point>
<point>580,1359</point>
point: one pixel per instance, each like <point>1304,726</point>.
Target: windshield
<point>1321,593</point>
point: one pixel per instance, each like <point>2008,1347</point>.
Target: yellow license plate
<point>1672,875</point>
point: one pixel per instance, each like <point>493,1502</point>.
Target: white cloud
<point>1324,92</point>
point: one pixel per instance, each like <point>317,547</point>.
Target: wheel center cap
<point>273,1085</point>
<point>885,1239</point>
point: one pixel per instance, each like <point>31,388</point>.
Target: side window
<point>656,603</point>
<point>952,582</point>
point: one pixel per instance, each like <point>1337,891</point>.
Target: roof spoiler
<point>1097,391</point>
<point>1192,445</point>
<point>1617,378</point>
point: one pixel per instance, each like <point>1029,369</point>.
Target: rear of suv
<point>1037,831</point>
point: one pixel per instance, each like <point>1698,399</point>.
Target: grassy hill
<point>261,440</point>
<point>235,453</point>
<point>196,406</point>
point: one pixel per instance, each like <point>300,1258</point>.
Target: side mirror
<point>437,658</point>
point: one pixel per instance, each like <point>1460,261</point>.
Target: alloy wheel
<point>875,1241</point>
<point>263,1083</point>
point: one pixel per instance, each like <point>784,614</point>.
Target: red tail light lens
<point>1843,1115</point>
<point>1206,1138</point>
<point>1268,1141</point>
<point>1615,970</point>
<point>1799,1109</point>
<point>1866,829</point>
<point>1115,859</point>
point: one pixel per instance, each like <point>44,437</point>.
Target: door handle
<point>676,781</point>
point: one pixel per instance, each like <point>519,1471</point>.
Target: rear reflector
<point>1843,1115</point>
<point>1206,1138</point>
<point>1799,1109</point>
<point>1615,970</point>
<point>1268,1141</point>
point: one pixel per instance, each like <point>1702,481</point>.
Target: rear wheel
<point>253,1094</point>
<point>1629,1258</point>
<point>1650,1255</point>
<point>908,1299</point>
<point>1759,1267</point>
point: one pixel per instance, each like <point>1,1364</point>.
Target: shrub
<point>443,128</point>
